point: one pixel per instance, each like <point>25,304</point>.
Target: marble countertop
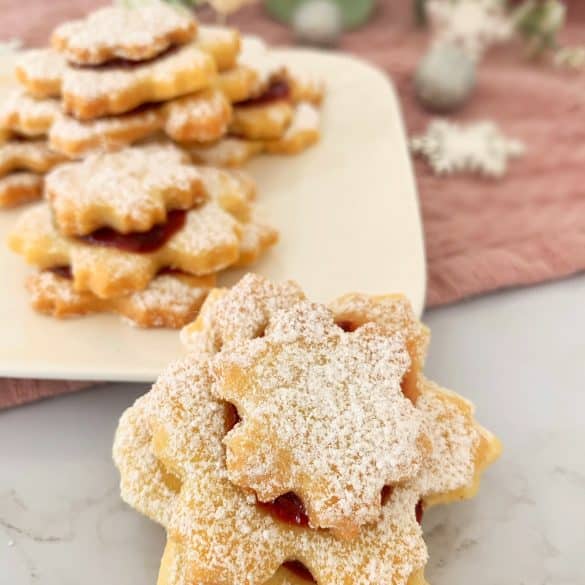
<point>518,355</point>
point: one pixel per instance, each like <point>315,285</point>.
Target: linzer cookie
<point>201,241</point>
<point>200,117</point>
<point>27,116</point>
<point>20,187</point>
<point>117,87</point>
<point>41,72</point>
<point>220,232</point>
<point>302,132</point>
<point>77,138</point>
<point>118,32</point>
<point>169,447</point>
<point>233,151</point>
<point>264,121</point>
<point>170,300</point>
<point>307,366</point>
<point>129,191</point>
<point>27,155</point>
<point>226,152</point>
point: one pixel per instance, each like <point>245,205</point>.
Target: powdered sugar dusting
<point>200,117</point>
<point>23,114</point>
<point>185,70</point>
<point>220,534</point>
<point>240,313</point>
<point>41,71</point>
<point>454,437</point>
<point>129,190</point>
<point>30,155</point>
<point>323,415</point>
<point>121,32</point>
<point>170,300</point>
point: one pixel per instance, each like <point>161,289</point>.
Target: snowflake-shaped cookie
<point>117,32</point>
<point>209,240</point>
<point>473,25</point>
<point>347,429</point>
<point>41,72</point>
<point>171,458</point>
<point>129,191</point>
<point>27,155</point>
<point>478,148</point>
<point>20,187</point>
<point>170,299</point>
<point>93,92</point>
<point>24,115</point>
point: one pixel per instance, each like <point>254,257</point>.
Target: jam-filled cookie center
<point>139,242</point>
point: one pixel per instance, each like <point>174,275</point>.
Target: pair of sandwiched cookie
<point>141,232</point>
<point>298,443</point>
<point>125,75</point>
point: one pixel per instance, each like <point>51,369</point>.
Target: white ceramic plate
<point>347,211</point>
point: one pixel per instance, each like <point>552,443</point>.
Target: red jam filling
<point>62,271</point>
<point>347,326</point>
<point>419,511</point>
<point>121,63</point>
<point>232,418</point>
<point>278,89</point>
<point>298,569</point>
<point>287,508</point>
<point>139,242</point>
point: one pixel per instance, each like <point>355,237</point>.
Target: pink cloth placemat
<point>481,235</point>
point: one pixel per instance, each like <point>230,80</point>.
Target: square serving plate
<point>347,211</point>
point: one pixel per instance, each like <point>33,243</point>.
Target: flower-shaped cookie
<point>41,72</point>
<point>27,116</point>
<point>347,429</point>
<point>118,32</point>
<point>199,241</point>
<point>27,155</point>
<point>171,458</point>
<point>93,92</point>
<point>170,299</point>
<point>21,187</point>
<point>129,191</point>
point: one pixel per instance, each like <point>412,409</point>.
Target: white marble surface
<point>518,355</point>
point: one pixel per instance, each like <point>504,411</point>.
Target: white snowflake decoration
<point>473,25</point>
<point>478,148</point>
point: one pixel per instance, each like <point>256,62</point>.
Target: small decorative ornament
<point>318,22</point>
<point>445,78</point>
<point>477,148</point>
<point>473,25</point>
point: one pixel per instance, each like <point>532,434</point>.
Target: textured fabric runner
<point>481,235</point>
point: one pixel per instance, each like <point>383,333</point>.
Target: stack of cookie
<point>141,232</point>
<point>298,443</point>
<point>25,155</point>
<point>127,75</point>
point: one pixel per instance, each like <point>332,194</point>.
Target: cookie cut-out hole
<point>231,416</point>
<point>139,242</point>
<point>299,570</point>
<point>385,494</point>
<point>419,511</point>
<point>288,508</point>
<point>347,326</point>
